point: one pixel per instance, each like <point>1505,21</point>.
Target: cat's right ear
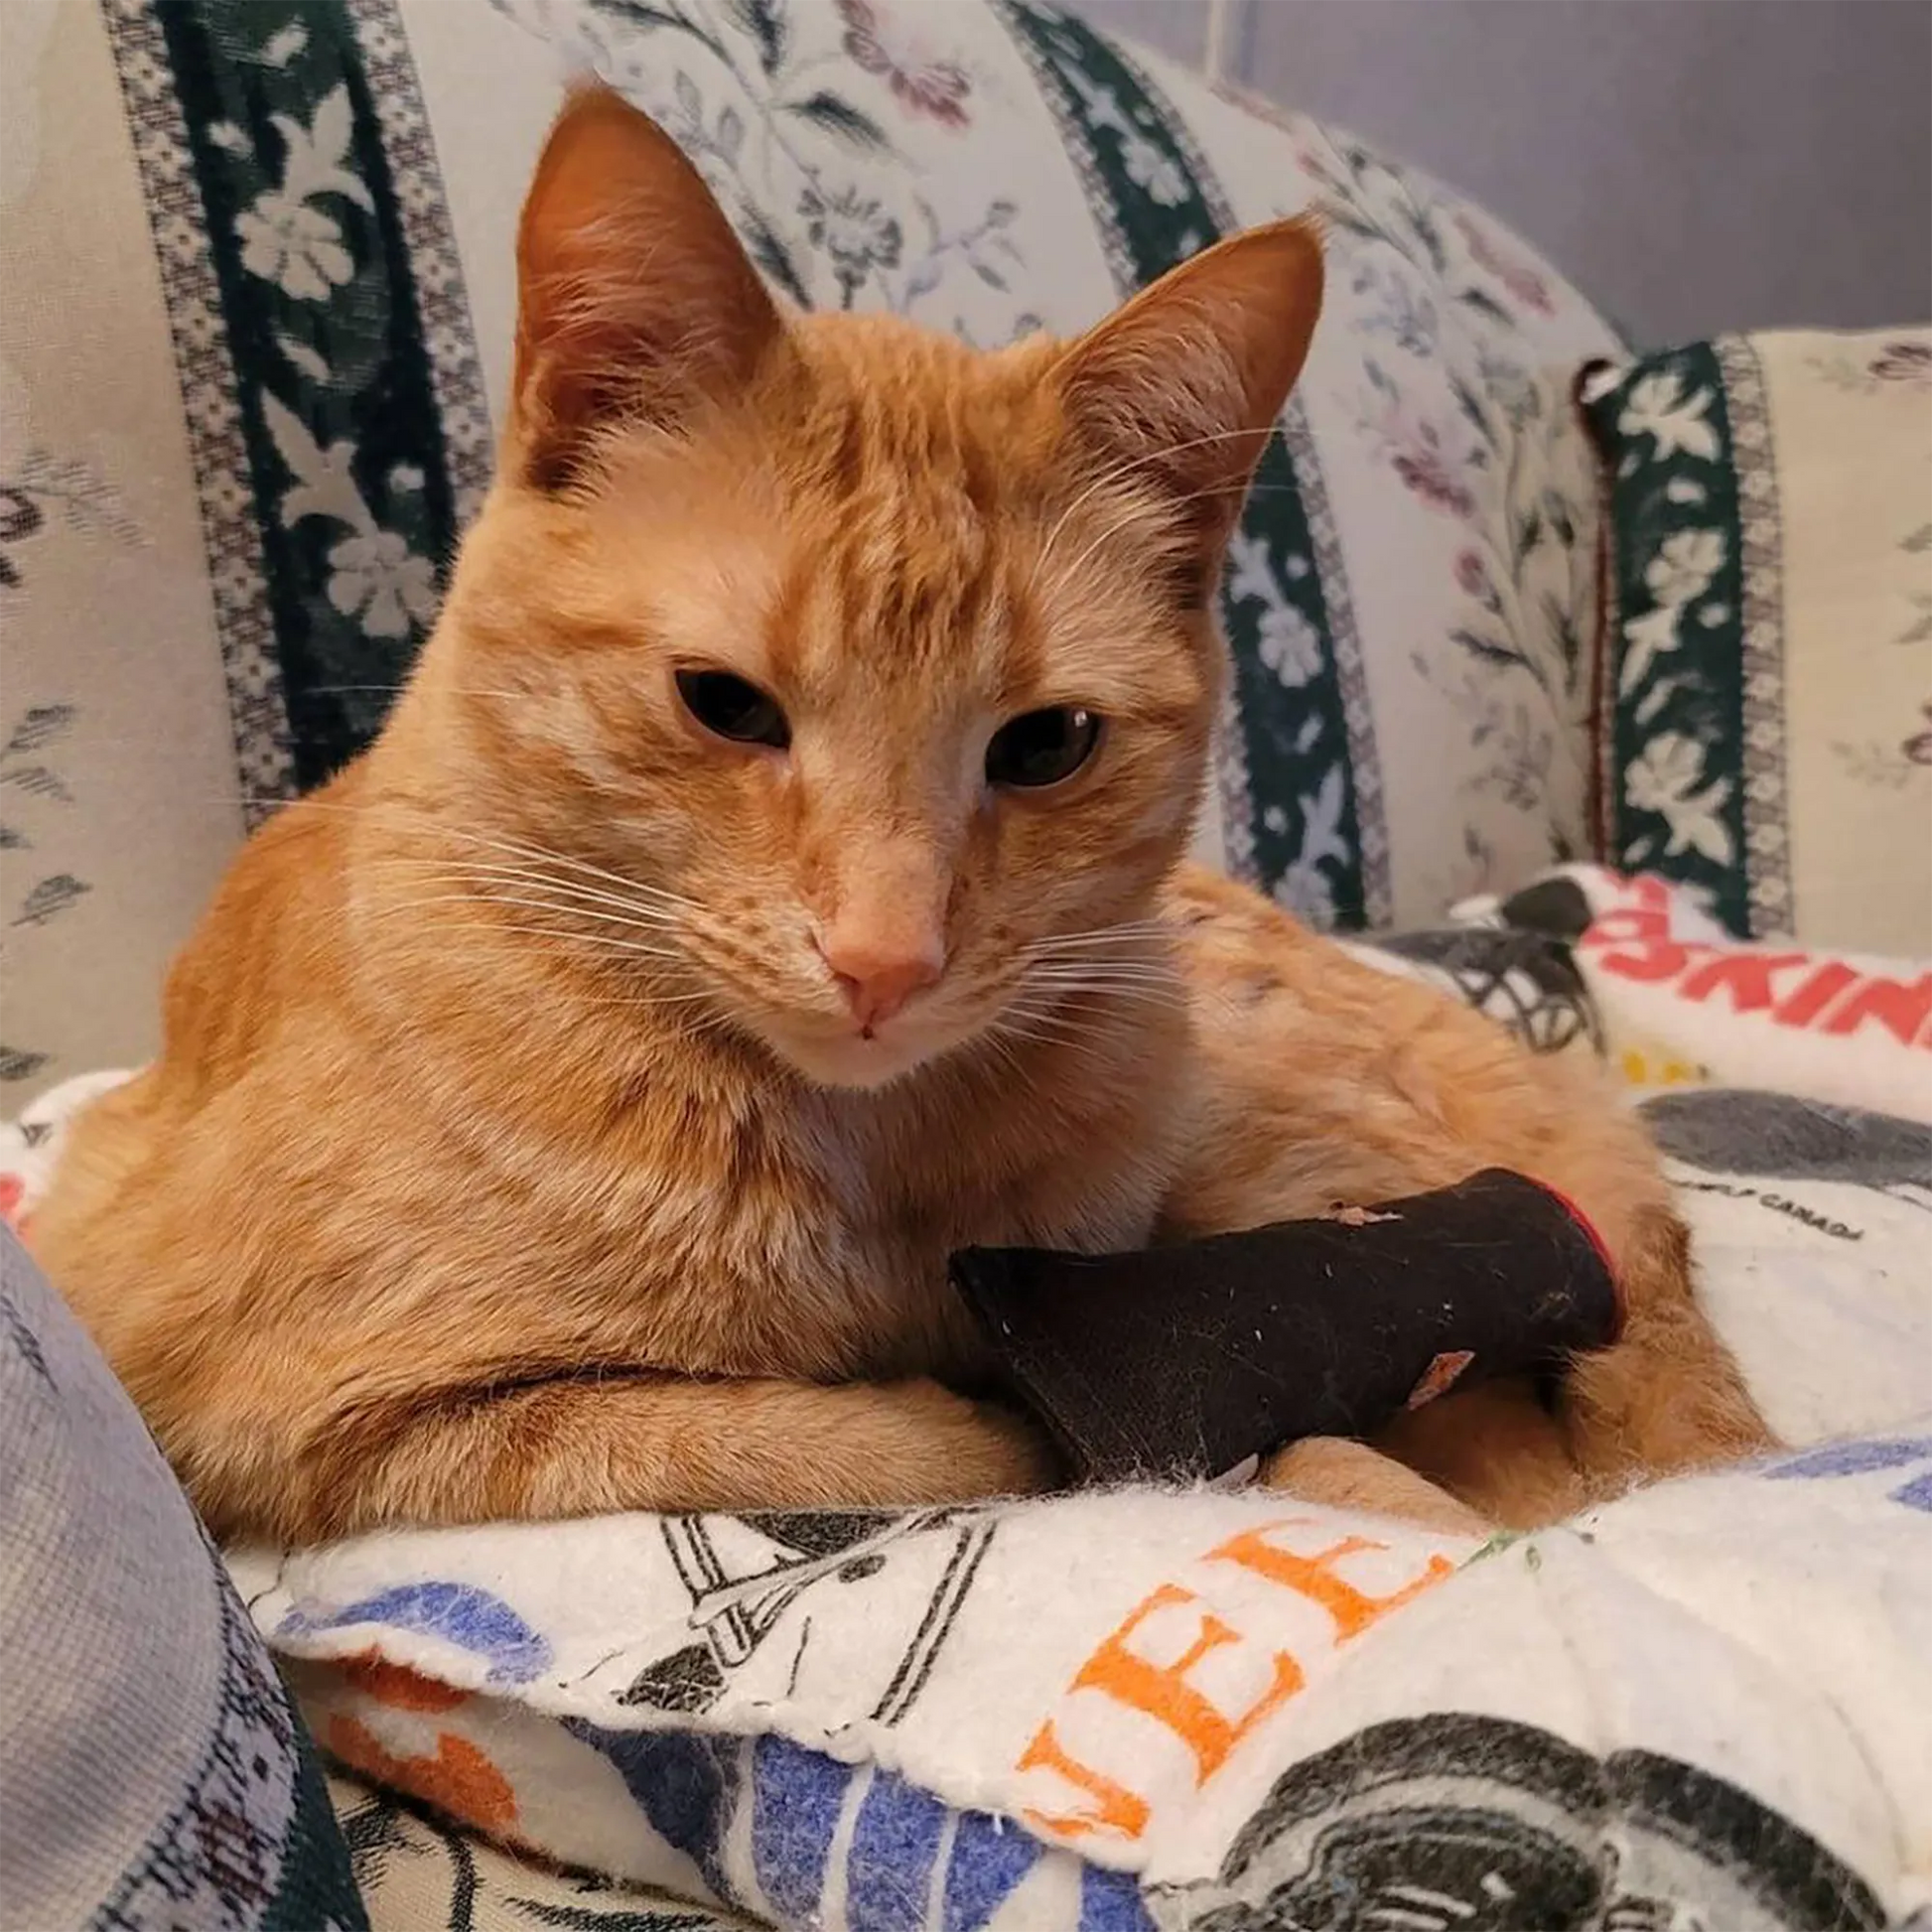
<point>1181,386</point>
<point>634,300</point>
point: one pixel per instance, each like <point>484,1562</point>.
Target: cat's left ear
<point>634,300</point>
<point>1182,384</point>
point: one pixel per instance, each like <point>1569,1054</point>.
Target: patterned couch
<point>253,344</point>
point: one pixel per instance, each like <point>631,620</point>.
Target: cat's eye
<point>731,707</point>
<point>1042,748</point>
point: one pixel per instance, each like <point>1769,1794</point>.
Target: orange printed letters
<point>1163,1692</point>
<point>1115,1809</point>
<point>1133,1670</point>
<point>1318,1578</point>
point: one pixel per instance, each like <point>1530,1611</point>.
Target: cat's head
<point>872,665</point>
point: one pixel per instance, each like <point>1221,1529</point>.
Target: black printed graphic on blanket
<point>1458,1823</point>
<point>1518,968</point>
<point>756,1579</point>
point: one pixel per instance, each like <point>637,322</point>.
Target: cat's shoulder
<point>1218,917</point>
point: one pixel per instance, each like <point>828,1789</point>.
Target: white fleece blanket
<point>1708,1705</point>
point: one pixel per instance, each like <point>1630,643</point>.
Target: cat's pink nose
<point>878,980</point>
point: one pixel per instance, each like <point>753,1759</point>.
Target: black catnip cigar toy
<point>1190,1361</point>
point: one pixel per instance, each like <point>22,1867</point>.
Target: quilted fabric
<point>258,303</point>
<point>1697,1705</point>
<point>420,1873</point>
<point>1115,1709</point>
<point>1767,677</point>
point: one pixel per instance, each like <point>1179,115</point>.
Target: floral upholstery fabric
<point>252,354</point>
<point>1767,674</point>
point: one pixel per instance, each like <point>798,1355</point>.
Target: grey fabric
<point>1732,1131</point>
<point>152,1773</point>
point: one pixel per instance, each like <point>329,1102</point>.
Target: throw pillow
<point>1764,725</point>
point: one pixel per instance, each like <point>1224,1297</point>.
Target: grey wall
<point>1693,164</point>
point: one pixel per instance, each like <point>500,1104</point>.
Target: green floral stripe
<point>1344,803</point>
<point>1153,209</point>
<point>1293,826</point>
<point>346,462</point>
<point>435,262</point>
<point>1761,614</point>
<point>1305,818</point>
<point>245,625</point>
<point>1674,723</point>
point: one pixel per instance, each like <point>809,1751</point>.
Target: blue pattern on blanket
<point>691,1789</point>
<point>1110,1901</point>
<point>988,1857</point>
<point>797,1797</point>
<point>683,1783</point>
<point>894,1842</point>
<point>1858,1458</point>
<point>459,1613</point>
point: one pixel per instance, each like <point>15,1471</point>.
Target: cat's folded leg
<point>580,1446</point>
<point>1498,1450</point>
<point>1346,1474</point>
<point>1325,1081</point>
<point>1667,1398</point>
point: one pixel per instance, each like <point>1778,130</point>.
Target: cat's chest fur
<point>807,1233</point>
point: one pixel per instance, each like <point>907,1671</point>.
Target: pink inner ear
<point>635,297</point>
<point>1186,379</point>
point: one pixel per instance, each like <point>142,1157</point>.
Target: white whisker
<point>1055,1017</point>
<point>658,1000</point>
<point>1008,1058</point>
<point>1149,971</point>
<point>1121,994</point>
<point>592,942</point>
<point>396,690</point>
<point>1101,936</point>
<point>1119,473</point>
<point>543,856</point>
<point>1062,980</point>
<point>513,848</point>
<point>637,899</point>
<point>559,903</point>
<point>1011,1029</point>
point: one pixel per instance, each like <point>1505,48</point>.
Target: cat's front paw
<point>961,1450</point>
<point>1350,1475</point>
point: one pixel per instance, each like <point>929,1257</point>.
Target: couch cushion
<point>1766,723</point>
<point>258,265</point>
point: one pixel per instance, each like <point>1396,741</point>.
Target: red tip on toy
<point>1597,1242</point>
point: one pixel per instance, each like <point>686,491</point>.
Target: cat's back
<point>261,960</point>
<point>1321,1077</point>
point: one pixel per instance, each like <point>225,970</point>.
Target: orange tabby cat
<point>769,883</point>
